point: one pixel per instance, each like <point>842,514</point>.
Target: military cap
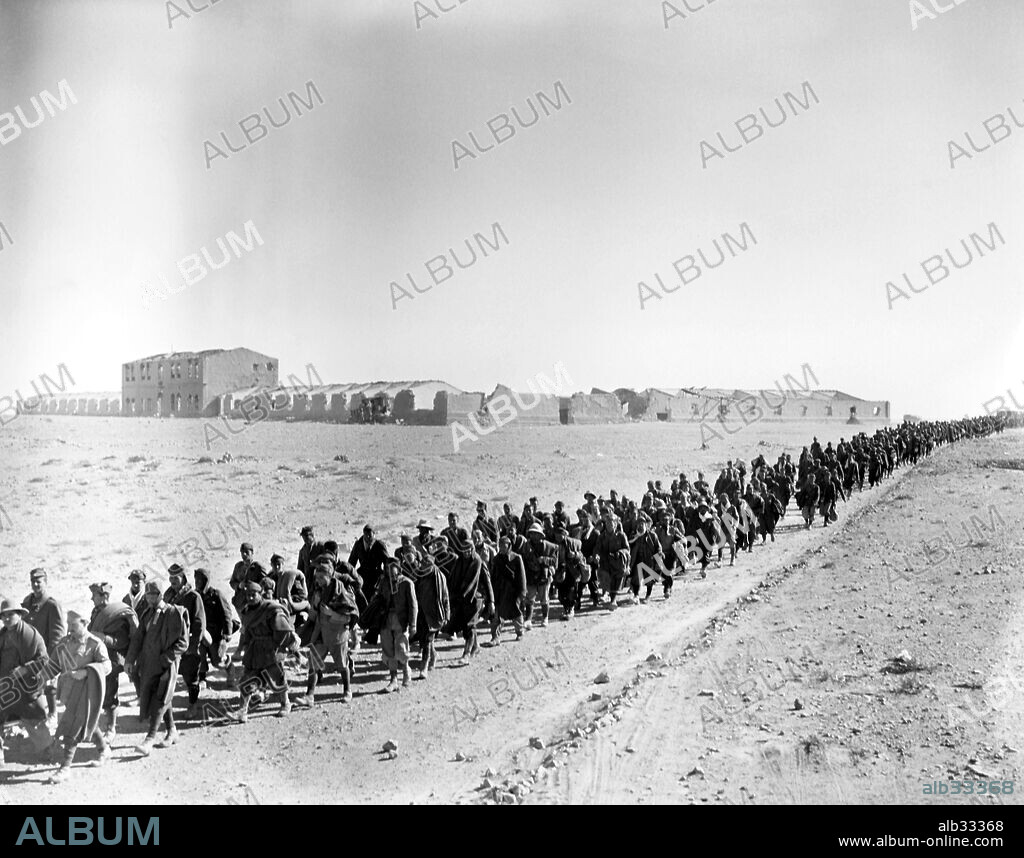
<point>246,546</point>
<point>536,528</point>
<point>37,573</point>
<point>425,525</point>
<point>102,588</point>
<point>253,587</point>
<point>175,569</point>
<point>153,587</point>
<point>136,574</point>
<point>306,529</point>
<point>274,557</point>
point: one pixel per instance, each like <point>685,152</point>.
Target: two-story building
<point>189,384</point>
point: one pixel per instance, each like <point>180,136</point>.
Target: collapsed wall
<point>404,409</point>
<point>594,408</point>
<point>455,407</point>
<point>535,409</point>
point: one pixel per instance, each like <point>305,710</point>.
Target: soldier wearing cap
<point>647,561</point>
<point>560,516</point>
<point>451,531</point>
<point>135,598</point>
<point>468,591</point>
<point>508,521</point>
<point>47,616</point>
<point>22,656</point>
<point>184,595</point>
<point>540,558</point>
<point>397,622</point>
<point>311,549</point>
<point>570,571</point>
<point>276,566</point>
<point>114,623</point>
<point>485,525</point>
<point>267,634</point>
<point>432,602</point>
<point>83,664</point>
<point>588,536</point>
<point>152,663</point>
<point>508,580</point>
<point>333,604</point>
<point>613,553</point>
<point>368,557</point>
<point>240,575</point>
<point>221,624</point>
<point>407,550</point>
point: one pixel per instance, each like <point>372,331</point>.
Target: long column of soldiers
<point>500,570</point>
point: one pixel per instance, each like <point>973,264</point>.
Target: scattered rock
<point>595,696</point>
<point>695,771</point>
<point>459,756</point>
<point>705,692</point>
<point>537,742</point>
<point>654,657</point>
<point>389,746</point>
<point>797,705</point>
<point>602,678</point>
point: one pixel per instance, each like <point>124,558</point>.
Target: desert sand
<point>701,699</point>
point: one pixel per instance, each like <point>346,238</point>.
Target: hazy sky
<point>602,193</point>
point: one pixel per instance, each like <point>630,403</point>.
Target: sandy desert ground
<point>765,683</point>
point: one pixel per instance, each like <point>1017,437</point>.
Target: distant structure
<point>190,384</point>
<point>242,384</point>
<point>418,403</point>
<point>700,404</point>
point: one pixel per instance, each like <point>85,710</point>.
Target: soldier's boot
<point>433,657</point>
<point>307,699</point>
<point>146,745</point>
<point>102,747</point>
<point>405,675</point>
<point>474,643</point>
<point>171,736</point>
<point>111,729</point>
<point>241,715</point>
<point>64,772</point>
<point>392,683</point>
<point>286,705</point>
<point>346,684</point>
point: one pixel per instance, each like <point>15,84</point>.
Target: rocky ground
<point>837,665</point>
